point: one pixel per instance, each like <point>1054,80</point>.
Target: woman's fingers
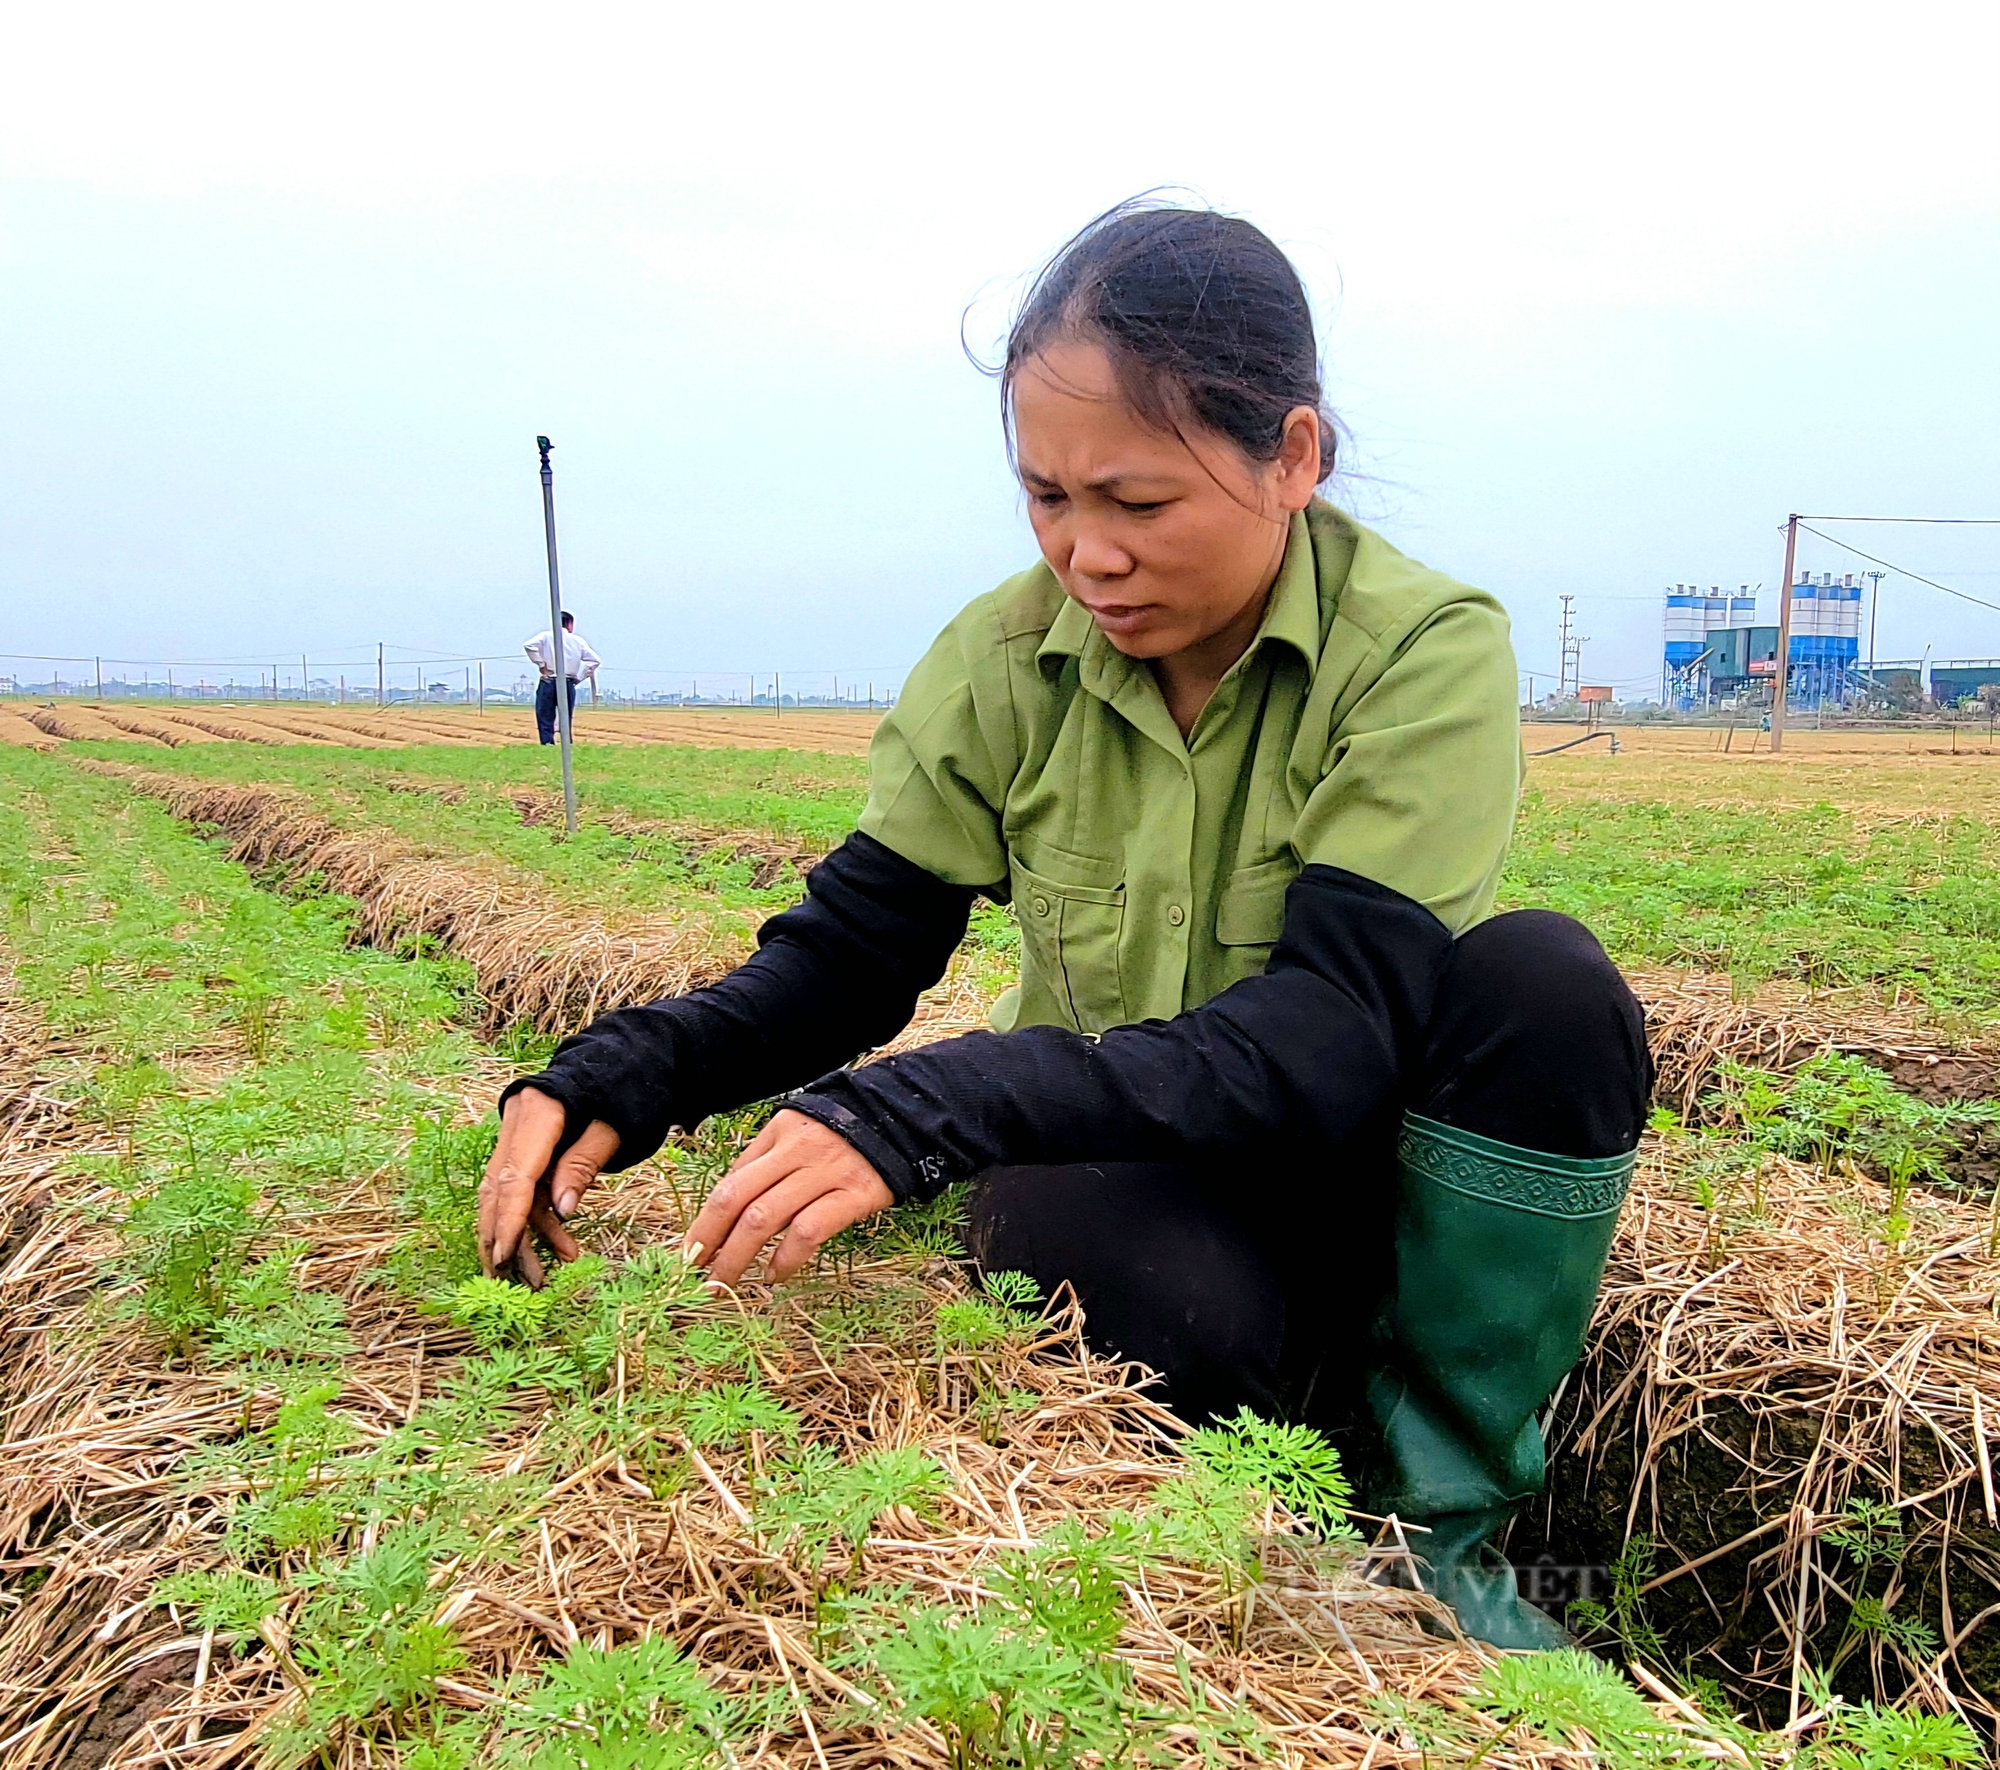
<point>549,1226</point>
<point>522,1188</point>
<point>530,1128</point>
<point>760,1222</point>
<point>798,1181</point>
<point>528,1264</point>
<point>796,1185</point>
<point>820,1222</point>
<point>735,1193</point>
<point>580,1165</point>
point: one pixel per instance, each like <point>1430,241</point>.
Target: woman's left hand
<point>797,1180</point>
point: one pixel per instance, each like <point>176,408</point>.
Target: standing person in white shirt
<point>578,660</point>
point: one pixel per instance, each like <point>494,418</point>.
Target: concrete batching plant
<point>1716,651</point>
<point>1694,618</point>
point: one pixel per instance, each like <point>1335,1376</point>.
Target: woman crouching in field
<point>1304,1124</point>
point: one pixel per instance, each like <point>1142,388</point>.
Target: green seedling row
<point>1826,896</point>
<point>458,801</point>
<point>696,853</point>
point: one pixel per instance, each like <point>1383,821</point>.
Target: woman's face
<point>1167,542</point>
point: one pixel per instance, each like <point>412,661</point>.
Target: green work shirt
<point>1372,725</point>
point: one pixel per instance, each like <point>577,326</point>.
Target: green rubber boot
<point>1499,1252</point>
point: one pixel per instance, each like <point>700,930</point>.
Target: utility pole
<point>1782,665</point>
<point>380,699</point>
<point>482,685</point>
<point>100,677</point>
<point>1571,679</point>
<point>304,694</point>
<point>1874,603</point>
<point>777,696</point>
<point>556,634</point>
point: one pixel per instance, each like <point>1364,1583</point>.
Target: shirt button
<point>1041,906</point>
<point>1175,914</point>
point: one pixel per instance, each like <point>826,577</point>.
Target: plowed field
<point>170,723</point>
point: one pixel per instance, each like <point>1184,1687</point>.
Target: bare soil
<point>145,1692</point>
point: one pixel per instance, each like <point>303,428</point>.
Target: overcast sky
<point>286,294</point>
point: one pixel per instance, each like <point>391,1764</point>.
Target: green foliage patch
<point>1817,895</point>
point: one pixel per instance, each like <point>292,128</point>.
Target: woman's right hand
<point>525,1185</point>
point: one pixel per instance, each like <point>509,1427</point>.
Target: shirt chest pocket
<point>1251,910</point>
<point>1070,932</point>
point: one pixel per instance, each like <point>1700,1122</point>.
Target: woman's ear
<point>1297,465</point>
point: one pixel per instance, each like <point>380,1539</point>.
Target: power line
<point>319,660</point>
<point>1901,570</point>
<point>1978,522</point>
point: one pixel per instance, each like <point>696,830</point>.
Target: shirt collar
<point>1290,618</point>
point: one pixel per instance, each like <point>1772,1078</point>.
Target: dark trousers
<point>545,706</point>
<point>1256,1280</point>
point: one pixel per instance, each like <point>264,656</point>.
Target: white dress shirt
<point>578,658</point>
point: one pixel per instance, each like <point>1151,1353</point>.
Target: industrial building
<point>1954,684</point>
<point>1715,650</point>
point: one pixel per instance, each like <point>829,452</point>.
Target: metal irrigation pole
<point>556,634</point>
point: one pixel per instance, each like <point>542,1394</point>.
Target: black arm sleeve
<point>1313,1048</point>
<point>831,977</point>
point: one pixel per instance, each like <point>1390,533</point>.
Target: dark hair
<point>568,619</point>
<point>1204,319</point>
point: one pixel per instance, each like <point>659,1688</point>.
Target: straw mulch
<point>550,966</point>
<point>92,1672</point>
<point>300,726</point>
<point>1696,1018</point>
<point>162,731</point>
<point>15,728</point>
<point>76,723</point>
<point>1754,1366</point>
<point>215,725</point>
<point>406,725</point>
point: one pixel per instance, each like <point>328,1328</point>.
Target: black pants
<point>1256,1281</point>
<point>545,706</point>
